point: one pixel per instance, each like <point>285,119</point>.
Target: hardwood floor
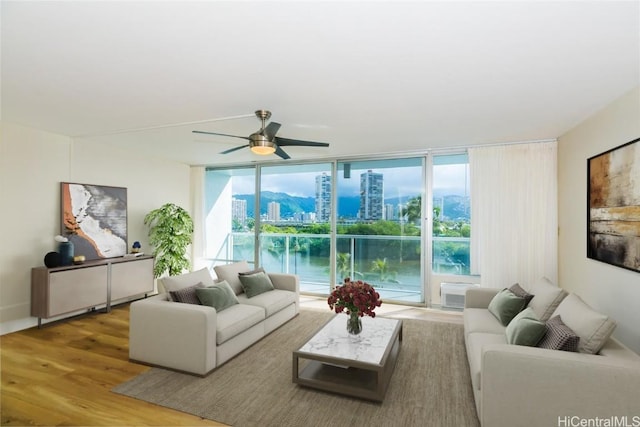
<point>62,374</point>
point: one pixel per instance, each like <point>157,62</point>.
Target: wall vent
<point>452,294</point>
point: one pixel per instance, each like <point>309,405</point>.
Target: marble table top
<point>369,346</point>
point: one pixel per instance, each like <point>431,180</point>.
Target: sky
<point>405,181</point>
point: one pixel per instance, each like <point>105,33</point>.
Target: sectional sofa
<point>196,338</point>
<point>518,385</point>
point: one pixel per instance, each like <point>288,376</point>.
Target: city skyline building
<point>239,210</point>
<point>389,212</point>
<point>273,211</point>
<point>371,196</point>
<point>323,197</point>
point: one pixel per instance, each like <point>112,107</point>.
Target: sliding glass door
<point>379,225</point>
<point>295,223</point>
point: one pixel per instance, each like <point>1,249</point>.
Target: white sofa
<point>197,338</point>
<point>516,385</point>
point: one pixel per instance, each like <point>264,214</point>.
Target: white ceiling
<point>365,76</point>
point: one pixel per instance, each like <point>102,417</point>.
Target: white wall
<point>609,289</point>
<point>32,165</point>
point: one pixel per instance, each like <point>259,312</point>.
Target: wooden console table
<point>61,290</point>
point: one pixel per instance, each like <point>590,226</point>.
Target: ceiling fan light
<point>261,145</point>
<point>263,150</point>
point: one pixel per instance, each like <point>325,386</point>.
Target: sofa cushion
<point>546,297</point>
<point>559,336</point>
<point>475,342</point>
<point>237,319</point>
<point>186,295</point>
<point>255,284</point>
<point>175,283</point>
<point>219,296</point>
<point>525,329</point>
<point>480,320</point>
<point>593,328</point>
<point>229,272</point>
<point>505,305</point>
<point>247,273</point>
<point>272,301</point>
<point>517,290</point>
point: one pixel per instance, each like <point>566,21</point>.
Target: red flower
<point>355,297</point>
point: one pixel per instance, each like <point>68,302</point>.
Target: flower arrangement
<point>355,297</point>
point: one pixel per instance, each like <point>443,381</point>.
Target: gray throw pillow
<point>256,284</point>
<point>525,329</point>
<point>559,336</point>
<point>505,306</point>
<point>219,296</point>
<point>187,295</point>
<point>593,328</point>
<point>517,290</point>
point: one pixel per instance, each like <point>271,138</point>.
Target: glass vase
<point>354,324</point>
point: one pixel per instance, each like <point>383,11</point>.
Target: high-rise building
<point>389,212</point>
<point>239,210</point>
<point>323,198</point>
<point>273,211</point>
<point>371,196</point>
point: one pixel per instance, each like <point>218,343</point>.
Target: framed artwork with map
<point>94,219</point>
<point>613,211</point>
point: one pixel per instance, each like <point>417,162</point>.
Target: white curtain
<point>514,215</point>
<point>197,213</point>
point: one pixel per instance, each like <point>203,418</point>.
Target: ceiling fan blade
<point>280,152</point>
<point>220,134</point>
<point>286,141</point>
<point>271,130</point>
<point>231,150</point>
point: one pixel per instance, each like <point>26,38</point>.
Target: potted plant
<point>170,232</point>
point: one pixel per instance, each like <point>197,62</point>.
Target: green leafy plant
<point>170,232</point>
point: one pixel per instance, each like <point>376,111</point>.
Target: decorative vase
<point>354,323</point>
<point>65,249</point>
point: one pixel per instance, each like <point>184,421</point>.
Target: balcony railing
<point>392,264</point>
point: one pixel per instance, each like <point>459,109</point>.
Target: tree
<point>413,209</point>
<point>381,266</point>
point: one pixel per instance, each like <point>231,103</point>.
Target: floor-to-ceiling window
<point>451,222</point>
<point>379,225</point>
<point>229,209</point>
<point>295,222</point>
<point>361,218</point>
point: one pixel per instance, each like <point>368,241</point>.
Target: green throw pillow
<point>525,329</point>
<point>218,296</point>
<point>256,284</point>
<point>505,305</point>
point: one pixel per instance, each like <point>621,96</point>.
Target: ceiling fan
<point>265,141</point>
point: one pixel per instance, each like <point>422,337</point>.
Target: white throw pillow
<point>546,298</point>
<point>593,328</point>
<point>230,272</point>
<point>175,283</point>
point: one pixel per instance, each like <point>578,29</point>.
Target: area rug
<point>430,385</point>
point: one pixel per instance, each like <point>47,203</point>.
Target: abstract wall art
<point>613,211</point>
<point>94,218</point>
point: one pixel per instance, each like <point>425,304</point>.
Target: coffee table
<point>354,365</point>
